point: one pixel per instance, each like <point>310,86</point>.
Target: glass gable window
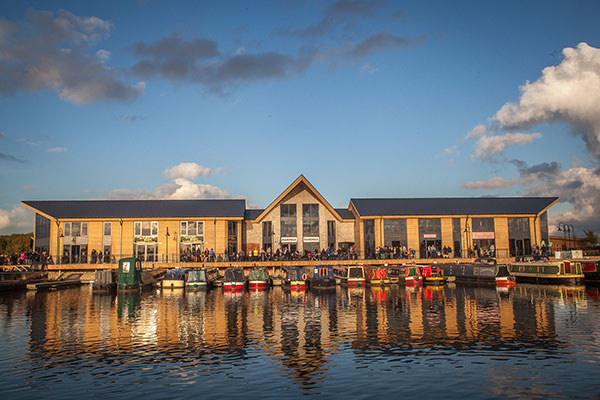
<point>310,220</point>
<point>288,220</point>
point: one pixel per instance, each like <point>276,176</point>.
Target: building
<point>299,219</point>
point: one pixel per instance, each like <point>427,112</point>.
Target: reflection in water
<point>373,341</point>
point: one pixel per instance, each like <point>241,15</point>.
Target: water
<point>451,342</point>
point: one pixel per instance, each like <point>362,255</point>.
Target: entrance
<point>430,248</point>
<point>519,247</point>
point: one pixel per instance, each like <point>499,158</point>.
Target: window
<point>145,228</point>
<point>394,232</point>
<point>191,228</point>
<point>75,229</point>
<point>288,220</point>
<point>107,228</point>
<point>42,227</point>
<point>310,220</point>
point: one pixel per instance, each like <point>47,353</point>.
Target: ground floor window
<point>74,254</point>
<point>146,251</point>
<point>191,252</point>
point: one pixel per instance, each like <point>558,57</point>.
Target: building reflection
<point>299,331</point>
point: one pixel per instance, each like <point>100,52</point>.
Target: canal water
<point>450,342</point>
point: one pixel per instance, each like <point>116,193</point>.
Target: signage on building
<point>483,235</point>
<point>311,239</point>
<point>429,235</point>
<point>289,240</point>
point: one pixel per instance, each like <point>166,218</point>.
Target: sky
<point>180,100</point>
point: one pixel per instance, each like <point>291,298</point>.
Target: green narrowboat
<point>552,272</point>
<point>130,274</point>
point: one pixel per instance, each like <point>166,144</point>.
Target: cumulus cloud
<point>181,187</point>
<point>51,52</point>
<point>489,146</point>
<point>187,171</point>
<point>568,92</point>
<point>496,182</point>
<point>15,220</point>
<point>58,150</point>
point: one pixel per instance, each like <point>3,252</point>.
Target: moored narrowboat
<point>482,271</point>
<point>295,278</point>
<point>259,279</point>
<point>376,276</point>
<point>174,279</point>
<point>197,279</point>
<point>591,270</point>
<point>410,275</point>
<point>129,276</point>
<point>104,281</point>
<point>234,279</point>
<point>323,277</point>
<point>553,272</point>
<point>432,275</point>
<point>354,276</point>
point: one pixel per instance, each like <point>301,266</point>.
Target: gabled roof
<point>84,209</point>
<point>300,180</point>
<point>453,206</point>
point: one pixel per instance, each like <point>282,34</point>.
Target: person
<point>492,250</point>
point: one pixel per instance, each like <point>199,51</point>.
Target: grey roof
<point>140,208</point>
<point>344,213</point>
<point>252,214</point>
<point>452,206</point>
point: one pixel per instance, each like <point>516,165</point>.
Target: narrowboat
<point>197,279</point>
<point>259,278</point>
<point>591,270</point>
<point>354,276</point>
<point>553,272</point>
<point>376,276</point>
<point>234,279</point>
<point>104,281</point>
<point>129,276</point>
<point>323,277</point>
<point>482,271</point>
<point>410,275</point>
<point>432,275</point>
<point>174,279</point>
<point>295,278</point>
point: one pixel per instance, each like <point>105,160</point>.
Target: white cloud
<point>568,92</point>
<point>187,189</point>
<point>16,220</point>
<point>447,151</point>
<point>489,146</point>
<point>496,182</point>
<point>478,131</point>
<point>368,69</point>
<point>58,150</point>
<point>103,55</point>
<point>187,171</point>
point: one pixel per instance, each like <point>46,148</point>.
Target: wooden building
<point>298,219</point>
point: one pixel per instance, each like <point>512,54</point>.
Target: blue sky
<point>151,99</point>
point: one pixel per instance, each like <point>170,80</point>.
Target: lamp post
<point>467,231</point>
<point>167,245</point>
<point>567,230</point>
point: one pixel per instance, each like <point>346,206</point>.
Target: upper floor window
<point>145,228</point>
<point>107,228</point>
<point>74,229</point>
<point>191,228</point>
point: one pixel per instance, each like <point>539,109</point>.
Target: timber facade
<point>298,220</point>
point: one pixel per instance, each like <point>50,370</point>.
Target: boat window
<point>355,273</point>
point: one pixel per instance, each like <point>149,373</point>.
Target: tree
<point>15,243</point>
<point>591,238</point>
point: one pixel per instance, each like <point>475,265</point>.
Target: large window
<point>42,233</point>
<point>145,235</point>
<point>107,228</point>
<point>288,222</point>
<point>369,234</point>
<point>544,227</point>
<point>232,236</point>
<point>519,236</point>
<point>484,237</point>
<point>456,235</point>
<point>267,235</point>
<point>191,240</point>
<point>430,237</point>
<point>310,220</point>
<point>394,232</point>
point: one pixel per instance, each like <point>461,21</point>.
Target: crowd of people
<point>281,254</point>
<point>33,258</point>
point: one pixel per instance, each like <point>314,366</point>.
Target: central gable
<point>301,187</point>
